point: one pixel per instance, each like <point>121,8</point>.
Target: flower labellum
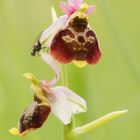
<point>33,117</point>
<point>70,38</point>
<point>77,42</point>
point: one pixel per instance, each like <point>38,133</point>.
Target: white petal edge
<point>60,106</point>
<point>77,103</point>
<point>53,28</point>
<point>54,65</point>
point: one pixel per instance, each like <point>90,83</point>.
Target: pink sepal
<point>90,9</point>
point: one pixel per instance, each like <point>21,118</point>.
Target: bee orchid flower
<point>70,39</point>
<point>59,100</point>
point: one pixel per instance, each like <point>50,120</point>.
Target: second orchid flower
<point>59,100</point>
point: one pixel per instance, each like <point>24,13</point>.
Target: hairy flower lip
<point>65,46</point>
<point>33,117</point>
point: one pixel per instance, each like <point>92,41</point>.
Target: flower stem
<point>67,128</point>
<point>64,76</point>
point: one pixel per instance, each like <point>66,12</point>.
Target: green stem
<point>67,128</point>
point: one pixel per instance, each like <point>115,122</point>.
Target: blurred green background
<point>113,84</point>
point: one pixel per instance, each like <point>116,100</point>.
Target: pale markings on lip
<point>91,39</point>
<point>68,39</point>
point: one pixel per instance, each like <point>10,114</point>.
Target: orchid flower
<point>70,39</point>
<point>59,100</point>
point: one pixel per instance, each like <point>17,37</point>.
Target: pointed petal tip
<point>75,3</point>
<point>117,113</point>
<point>14,131</point>
<point>54,15</point>
<point>84,7</point>
<point>66,8</point>
<point>67,122</point>
<point>90,9</point>
<point>31,77</point>
<point>80,64</point>
<point>123,111</point>
<point>28,76</point>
